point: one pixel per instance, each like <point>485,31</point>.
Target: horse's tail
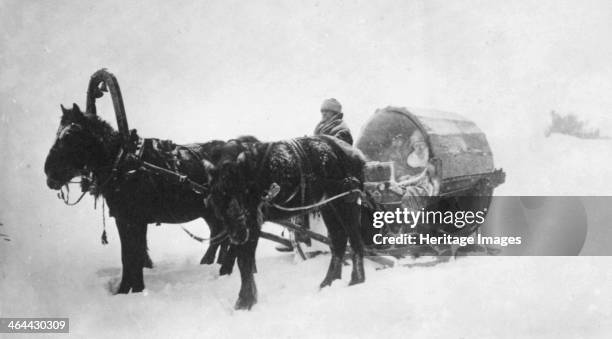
<point>104,81</point>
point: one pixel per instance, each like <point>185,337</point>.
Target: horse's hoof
<point>325,283</point>
<point>245,304</point>
<point>206,260</point>
<point>356,281</point>
<point>137,289</point>
<point>123,289</point>
<point>225,270</point>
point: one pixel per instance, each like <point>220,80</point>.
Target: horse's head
<point>233,197</point>
<point>78,144</point>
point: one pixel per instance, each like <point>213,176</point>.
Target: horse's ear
<point>71,113</point>
<point>68,113</point>
<point>75,108</point>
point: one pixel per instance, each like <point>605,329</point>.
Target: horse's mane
<point>250,139</point>
<point>99,128</point>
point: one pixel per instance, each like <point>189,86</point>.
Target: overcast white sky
<point>194,71</point>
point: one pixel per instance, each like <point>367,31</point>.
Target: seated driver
<point>421,181</point>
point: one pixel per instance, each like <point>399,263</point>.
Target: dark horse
<point>245,193</point>
<point>86,145</point>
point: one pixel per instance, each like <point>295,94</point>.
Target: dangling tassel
<point>103,238</point>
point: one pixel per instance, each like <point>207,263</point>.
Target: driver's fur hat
<point>331,105</point>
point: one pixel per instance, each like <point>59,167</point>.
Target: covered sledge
<point>415,154</point>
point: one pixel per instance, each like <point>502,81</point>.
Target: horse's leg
<point>338,237</point>
<point>209,256</point>
<point>227,265</point>
<point>352,221</point>
<point>133,249</point>
<point>223,249</point>
<point>148,263</point>
<point>246,263</point>
<point>126,283</point>
<point>226,256</point>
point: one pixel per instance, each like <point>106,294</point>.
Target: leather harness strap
<point>300,154</point>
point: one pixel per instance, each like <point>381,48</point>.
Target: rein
<point>200,188</point>
<point>315,205</point>
<point>65,197</point>
<point>213,240</point>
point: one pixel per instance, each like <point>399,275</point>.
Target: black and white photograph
<point>306,169</point>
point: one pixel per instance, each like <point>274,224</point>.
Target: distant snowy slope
<point>557,165</point>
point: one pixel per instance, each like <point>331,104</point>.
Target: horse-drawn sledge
<point>404,158</point>
<point>421,160</point>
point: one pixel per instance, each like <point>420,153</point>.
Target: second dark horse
<point>257,182</point>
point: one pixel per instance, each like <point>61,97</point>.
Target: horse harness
<point>133,154</point>
<point>304,167</point>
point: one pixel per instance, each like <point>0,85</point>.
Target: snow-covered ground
<point>470,297</point>
<point>54,265</point>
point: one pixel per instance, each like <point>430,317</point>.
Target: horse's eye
<point>68,130</point>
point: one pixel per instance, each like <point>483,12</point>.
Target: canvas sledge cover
<point>460,147</point>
